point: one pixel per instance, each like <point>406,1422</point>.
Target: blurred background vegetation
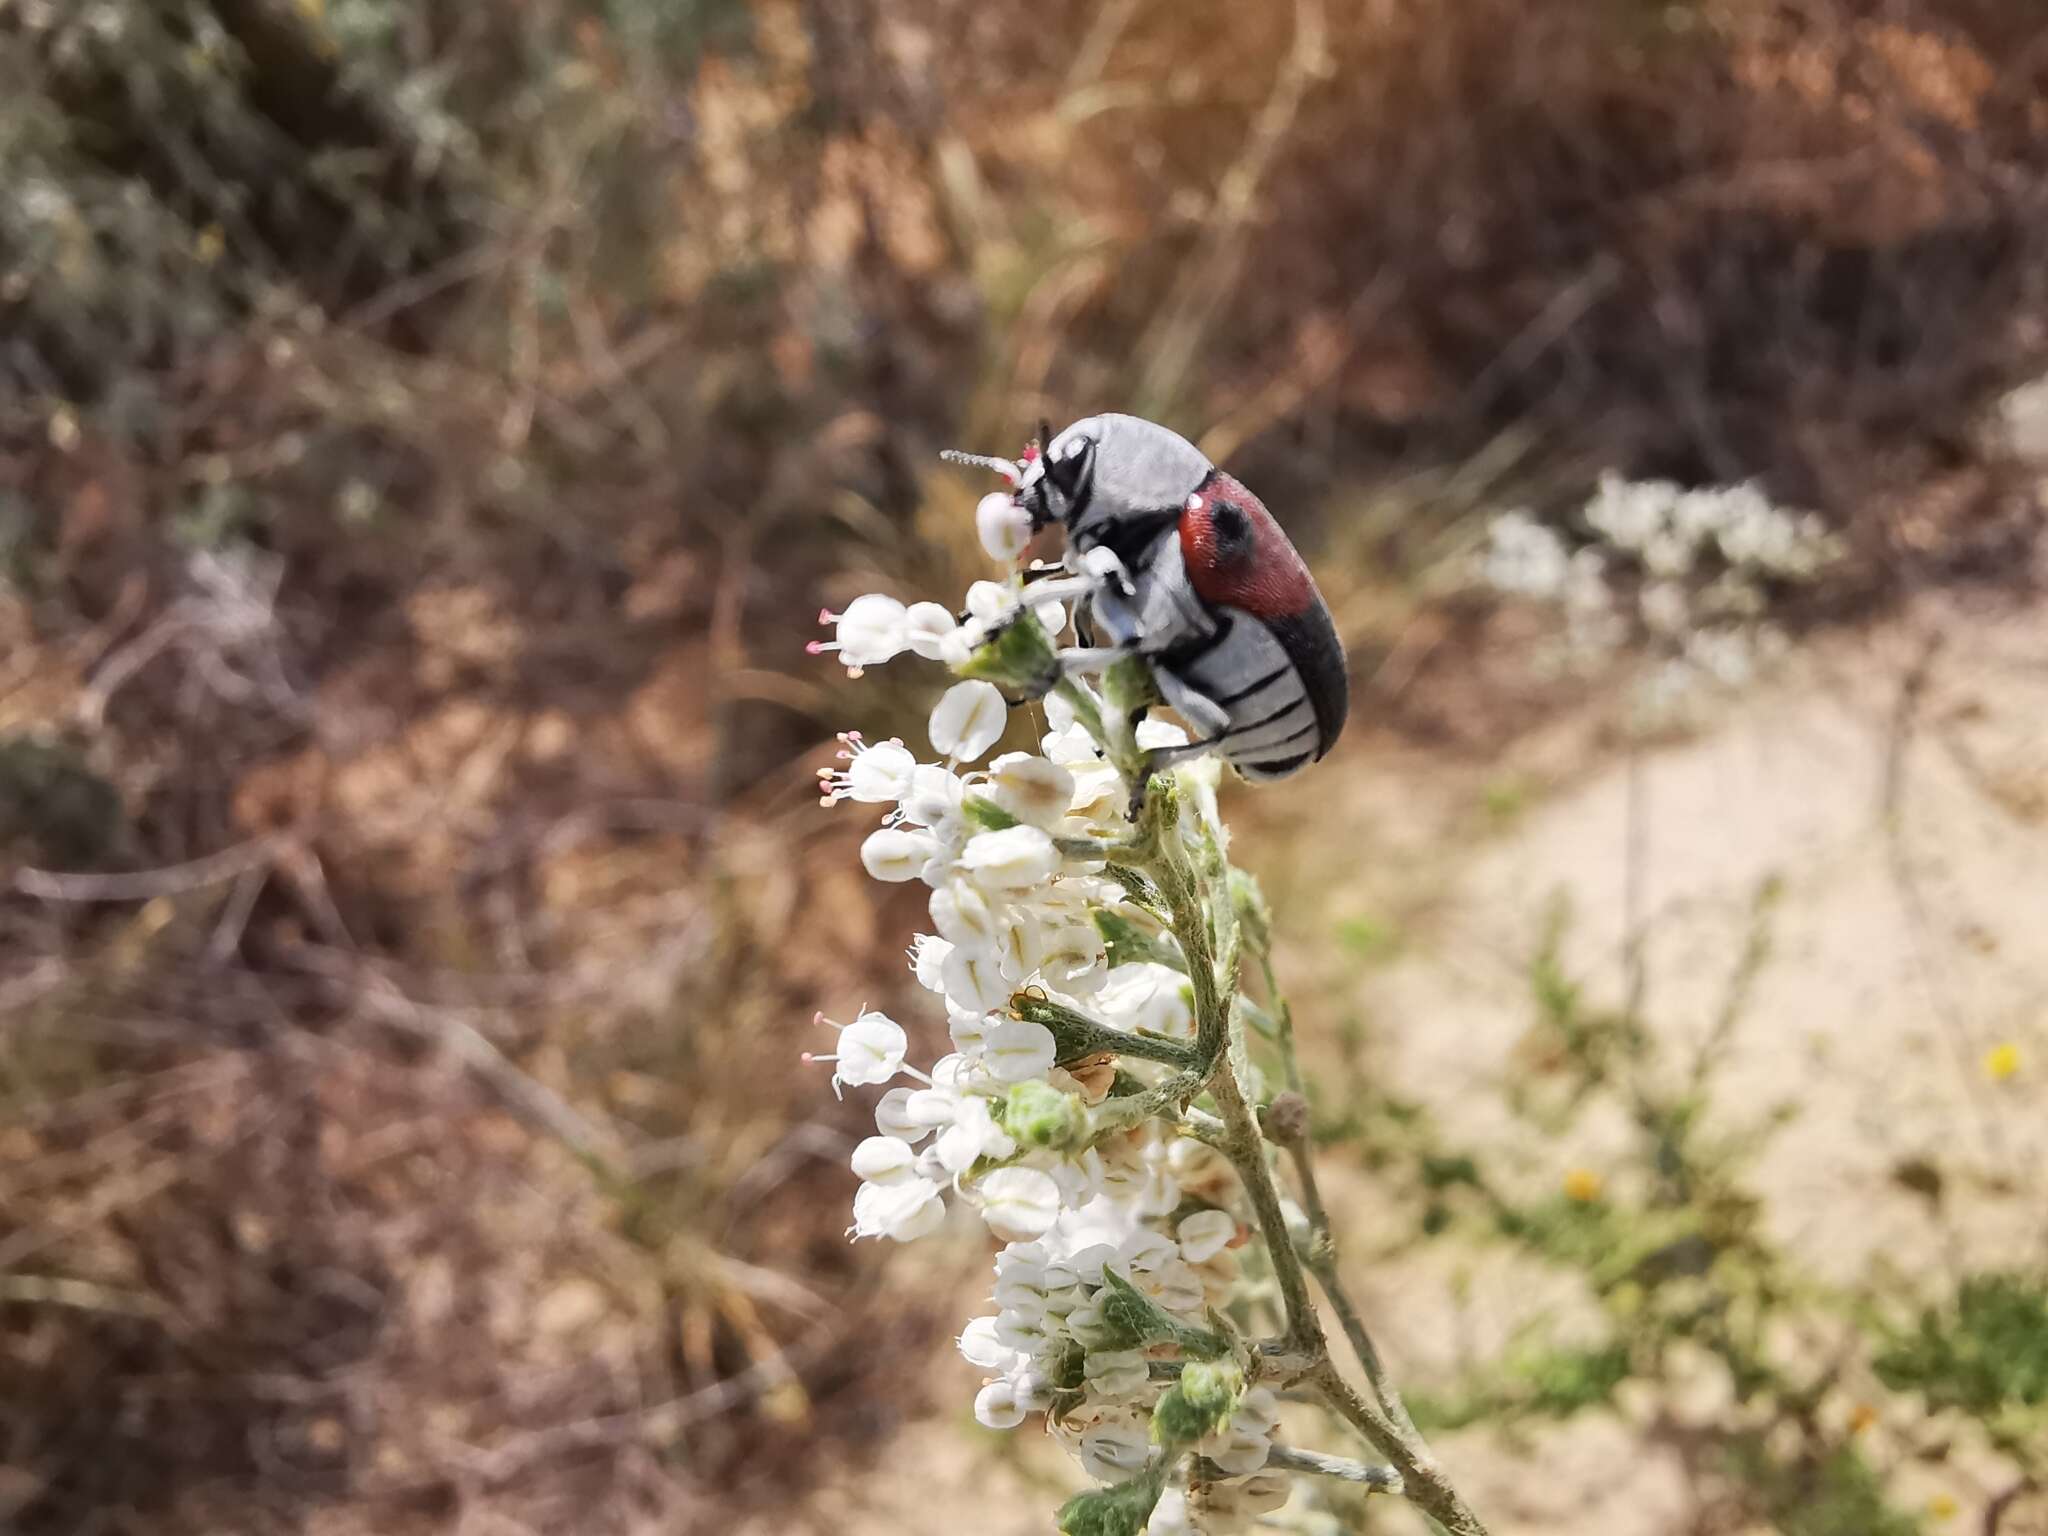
<point>427,432</point>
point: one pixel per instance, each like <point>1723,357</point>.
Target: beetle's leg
<point>1085,660</point>
<point>1159,760</point>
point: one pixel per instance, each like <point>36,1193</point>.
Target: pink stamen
<point>827,616</point>
<point>816,648</point>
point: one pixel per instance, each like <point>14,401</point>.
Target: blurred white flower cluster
<point>1693,571</point>
<point>1121,1230</point>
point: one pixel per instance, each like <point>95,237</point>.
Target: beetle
<point>1178,562</point>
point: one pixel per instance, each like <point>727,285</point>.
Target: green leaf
<point>1119,1511</point>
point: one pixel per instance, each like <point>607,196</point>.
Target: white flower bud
<point>1152,734</point>
<point>1088,1263</point>
<point>969,1030</point>
<point>892,1117</point>
<point>967,720</point>
<point>896,854</point>
<point>997,1407</point>
<point>1146,1250</point>
<point>1205,1234</point>
<point>1019,1050</point>
<point>988,600</point>
<point>926,629</point>
<point>979,1344</point>
<point>1014,859</point>
<point>1030,788</point>
<point>883,1160</point>
<point>1019,1203</point>
<point>1003,526</point>
<point>1071,745</point>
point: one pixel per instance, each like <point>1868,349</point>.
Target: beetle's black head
<point>1060,475</point>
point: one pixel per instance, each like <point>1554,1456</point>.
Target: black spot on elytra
<point>1231,527</point>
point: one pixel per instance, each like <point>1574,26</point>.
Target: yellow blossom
<point>1942,1506</point>
<point>2002,1061</point>
<point>1582,1185</point>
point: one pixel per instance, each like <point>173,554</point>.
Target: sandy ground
<point>1894,785</point>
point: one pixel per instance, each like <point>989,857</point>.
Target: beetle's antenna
<point>1008,469</point>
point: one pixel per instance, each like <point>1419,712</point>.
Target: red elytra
<point>1267,579</point>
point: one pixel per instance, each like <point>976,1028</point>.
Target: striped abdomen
<point>1270,698</point>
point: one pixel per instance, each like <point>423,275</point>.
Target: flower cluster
<point>1691,570</point>
<point>1121,1231</point>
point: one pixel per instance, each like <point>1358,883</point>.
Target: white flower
<point>1003,526</point>
<point>1155,734</point>
<point>963,916</point>
<point>1664,608</point>
<point>975,982</point>
<point>927,628</point>
<point>1146,996</point>
<point>972,1135</point>
<point>1205,1234</point>
<point>928,956</point>
<point>1070,744</point>
<point>1019,1050</point>
<point>979,1344</point>
<point>997,1405</point>
<point>871,1050</point>
<point>1071,956</point>
<point>896,854</point>
<point>873,629</point>
<point>1117,1373</point>
<point>904,1209</point>
<point>1114,1451</point>
<point>1014,859</point>
<point>967,720</point>
<point>875,775</point>
<point>1032,789</point>
<point>1019,1202</point>
<point>1228,1505</point>
<point>1524,557</point>
<point>933,800</point>
<point>1242,1445</point>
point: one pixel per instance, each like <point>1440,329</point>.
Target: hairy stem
<point>1294,1459</point>
<point>1322,1262</point>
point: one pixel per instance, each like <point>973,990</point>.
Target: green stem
<point>1077,1036</point>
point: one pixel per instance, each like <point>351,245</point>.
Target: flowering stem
<point>1219,1043</point>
